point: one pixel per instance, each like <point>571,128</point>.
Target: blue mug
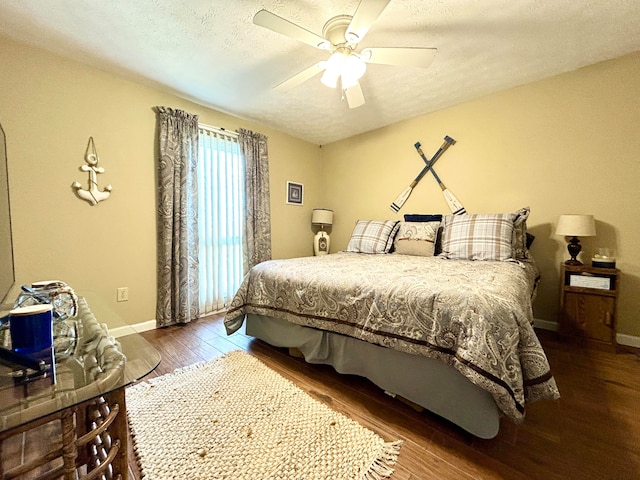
<point>31,328</point>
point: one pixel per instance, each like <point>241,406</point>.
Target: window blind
<point>221,207</point>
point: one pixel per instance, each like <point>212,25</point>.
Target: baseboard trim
<point>545,324</point>
<point>628,340</point>
<point>135,328</point>
<point>621,338</point>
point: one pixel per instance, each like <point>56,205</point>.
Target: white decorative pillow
<point>478,237</point>
<point>373,236</point>
<point>416,238</point>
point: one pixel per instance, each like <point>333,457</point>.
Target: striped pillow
<point>478,237</point>
<point>373,236</point>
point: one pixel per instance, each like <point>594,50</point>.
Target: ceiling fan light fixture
<point>352,70</point>
<point>333,69</point>
<point>345,66</point>
<point>329,80</point>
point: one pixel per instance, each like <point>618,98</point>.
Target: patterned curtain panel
<point>258,222</point>
<point>177,217</point>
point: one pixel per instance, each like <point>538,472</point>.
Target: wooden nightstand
<point>588,300</point>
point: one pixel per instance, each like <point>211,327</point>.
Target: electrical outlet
<point>122,294</point>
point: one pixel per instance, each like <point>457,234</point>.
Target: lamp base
<point>321,243</point>
<point>574,248</point>
<point>573,262</point>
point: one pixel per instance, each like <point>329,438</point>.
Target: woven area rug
<point>235,418</point>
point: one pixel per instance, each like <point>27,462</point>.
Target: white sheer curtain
<point>221,211</point>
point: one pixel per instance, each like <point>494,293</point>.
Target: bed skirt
<point>424,381</point>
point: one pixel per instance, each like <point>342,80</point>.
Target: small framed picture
<point>295,193</point>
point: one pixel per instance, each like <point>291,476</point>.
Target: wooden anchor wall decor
<point>93,195</point>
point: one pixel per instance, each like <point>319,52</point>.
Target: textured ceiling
<point>209,51</point>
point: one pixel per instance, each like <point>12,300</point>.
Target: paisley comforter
<point>474,315</point>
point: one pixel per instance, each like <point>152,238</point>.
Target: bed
<point>448,328</point>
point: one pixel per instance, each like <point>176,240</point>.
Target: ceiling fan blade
<point>354,96</point>
<point>301,77</point>
<point>279,25</point>
<point>405,57</point>
<point>367,12</point>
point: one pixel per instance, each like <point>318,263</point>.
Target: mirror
<point>7,272</point>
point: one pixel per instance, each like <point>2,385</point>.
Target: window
<point>221,207</point>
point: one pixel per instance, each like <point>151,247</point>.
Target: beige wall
<point>49,107</point>
<point>568,144</point>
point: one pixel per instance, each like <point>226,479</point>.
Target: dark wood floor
<point>592,432</point>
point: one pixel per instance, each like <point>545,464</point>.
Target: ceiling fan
<point>341,36</point>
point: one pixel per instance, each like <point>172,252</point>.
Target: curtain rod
<point>218,129</point>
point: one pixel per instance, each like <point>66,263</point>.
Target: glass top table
<point>86,362</point>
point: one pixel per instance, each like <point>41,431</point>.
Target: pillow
<point>478,237</point>
<point>520,237</point>
<point>438,246</point>
<point>530,239</point>
<point>416,238</point>
<point>423,217</point>
<point>373,236</point>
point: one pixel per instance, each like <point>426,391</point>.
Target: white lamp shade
<point>352,70</point>
<point>322,216</point>
<point>334,69</point>
<point>346,66</point>
<point>576,226</point>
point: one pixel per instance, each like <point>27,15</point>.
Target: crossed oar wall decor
<point>452,201</point>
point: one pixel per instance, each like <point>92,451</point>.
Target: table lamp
<point>322,217</point>
<point>575,226</point>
